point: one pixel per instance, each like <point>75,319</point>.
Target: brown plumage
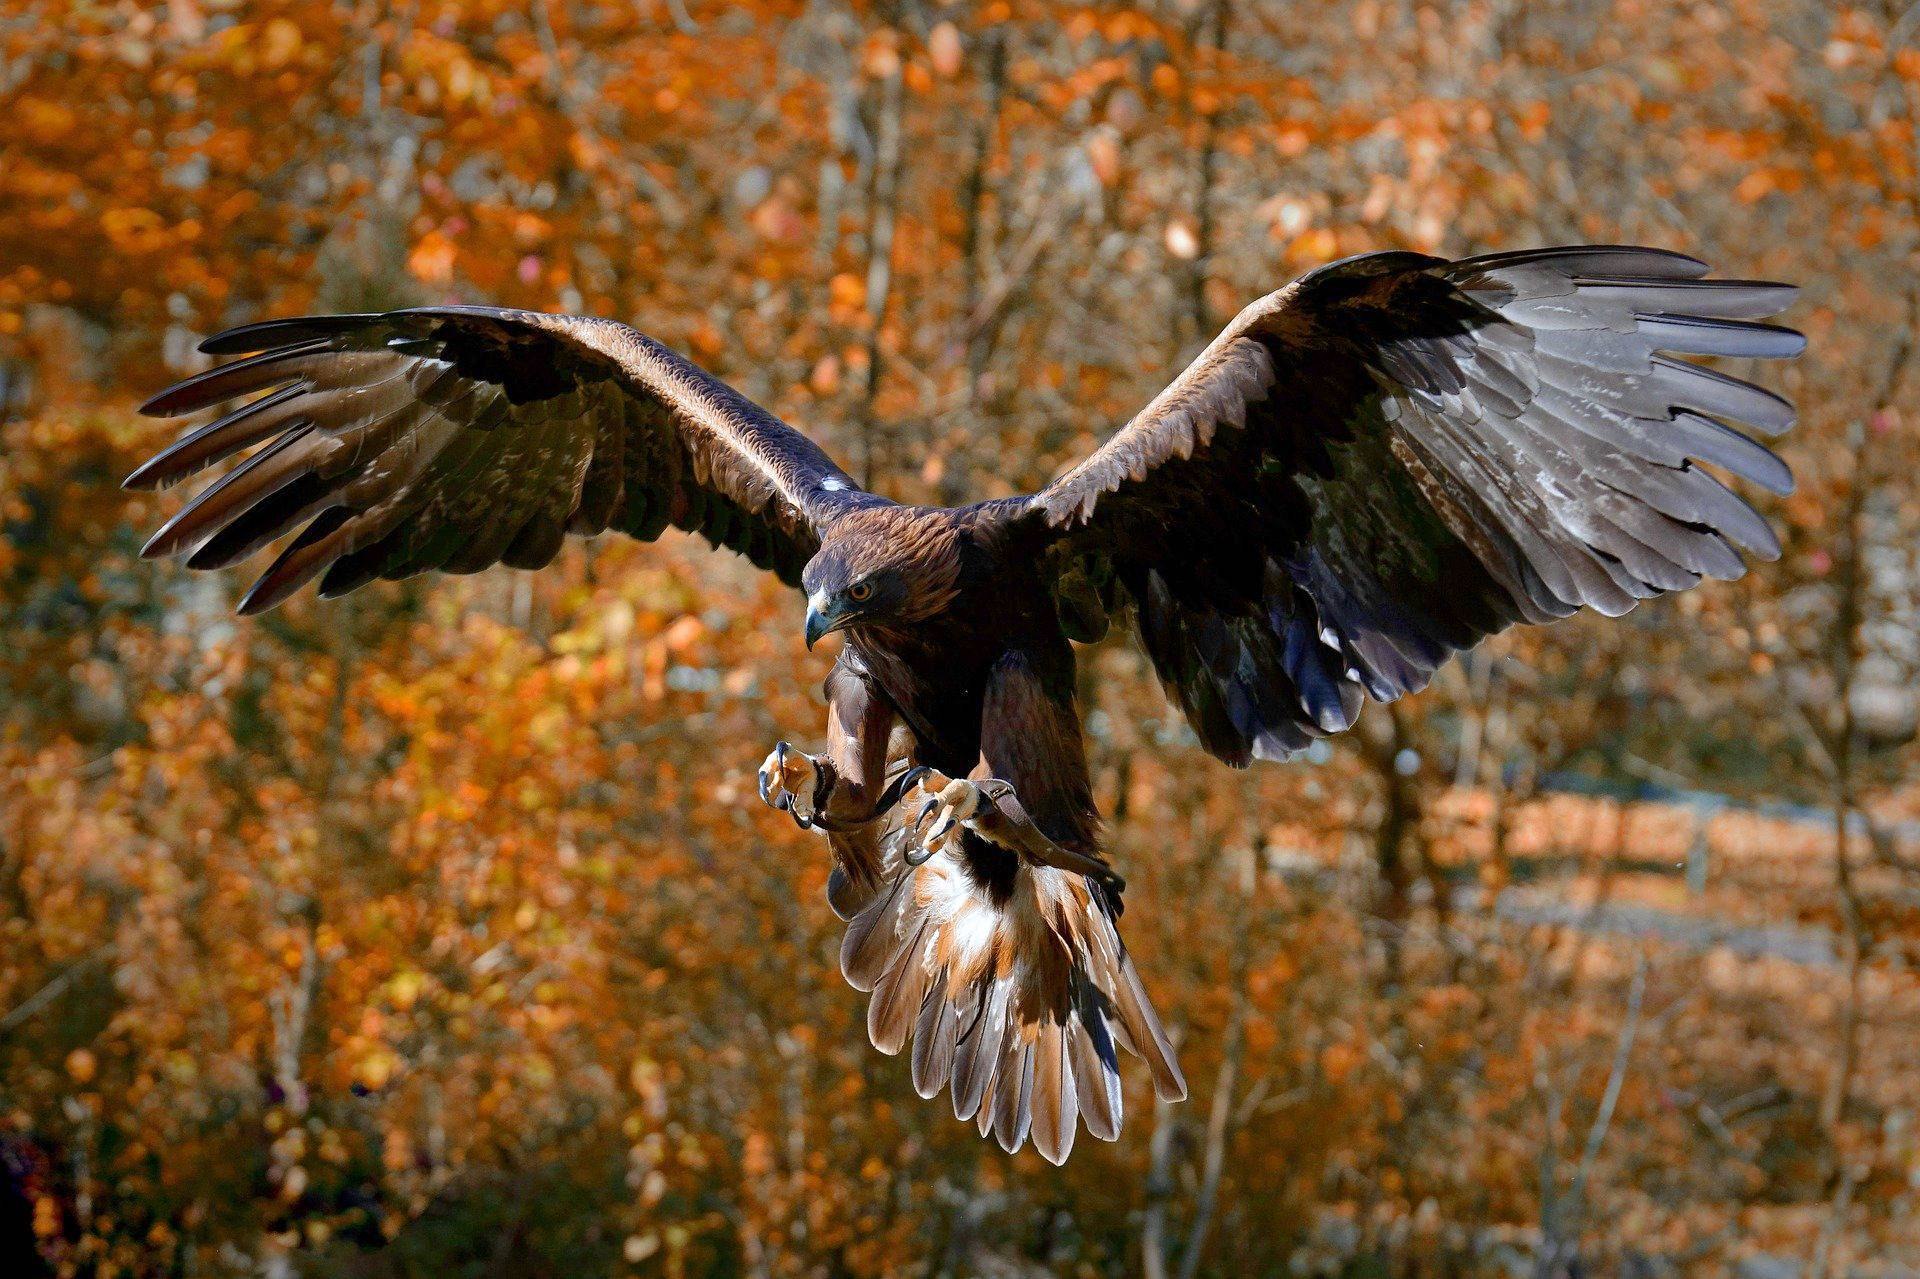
<point>1367,471</point>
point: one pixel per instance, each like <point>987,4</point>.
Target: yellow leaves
<point>374,1069</point>
<point>403,989</point>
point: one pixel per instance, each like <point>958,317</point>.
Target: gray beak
<point>818,624</point>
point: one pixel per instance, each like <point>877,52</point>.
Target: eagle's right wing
<point>453,438</point>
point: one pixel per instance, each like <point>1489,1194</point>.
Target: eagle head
<point>881,566</point>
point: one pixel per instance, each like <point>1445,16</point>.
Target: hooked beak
<point>822,619</point>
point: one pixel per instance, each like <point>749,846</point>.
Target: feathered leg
<point>845,792</point>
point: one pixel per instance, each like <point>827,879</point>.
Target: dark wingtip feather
<point>201,448</point>
<point>1597,259</point>
<point>229,381</point>
<point>160,403</point>
<point>297,565</point>
<point>263,335</point>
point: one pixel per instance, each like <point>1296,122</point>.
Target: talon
<point>790,781</point>
<point>949,806</point>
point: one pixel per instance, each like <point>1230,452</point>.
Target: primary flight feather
<point>1367,471</point>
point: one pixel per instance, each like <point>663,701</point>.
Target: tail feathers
<point>1015,991</point>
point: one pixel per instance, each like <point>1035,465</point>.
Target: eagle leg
<point>992,810</point>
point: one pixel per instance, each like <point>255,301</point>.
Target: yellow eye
<point>860,592</point>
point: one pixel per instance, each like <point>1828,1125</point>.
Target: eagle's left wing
<point>1397,456</point>
<point>452,438</point>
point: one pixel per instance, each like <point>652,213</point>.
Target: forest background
<point>439,931</point>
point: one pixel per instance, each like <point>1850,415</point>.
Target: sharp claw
<point>926,809</point>
<point>940,828</point>
<point>913,777</point>
<point>805,823</point>
<point>766,796</point>
<point>916,855</point>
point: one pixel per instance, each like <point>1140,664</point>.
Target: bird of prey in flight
<point>1375,467</point>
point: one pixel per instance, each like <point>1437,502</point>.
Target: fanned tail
<point>1013,984</point>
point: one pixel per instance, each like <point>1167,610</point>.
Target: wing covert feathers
<point>454,438</point>
<point>1015,1001</point>
<point>1397,456</point>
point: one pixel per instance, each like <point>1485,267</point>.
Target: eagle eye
<point>860,592</point>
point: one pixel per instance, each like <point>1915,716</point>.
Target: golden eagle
<point>1373,468</point>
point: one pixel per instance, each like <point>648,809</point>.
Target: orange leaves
<point>139,231</point>
<point>45,121</point>
<point>432,258</point>
<point>1532,120</point>
<point>81,1066</point>
<point>1338,1061</point>
<point>1104,155</point>
<point>261,48</point>
<point>493,844</point>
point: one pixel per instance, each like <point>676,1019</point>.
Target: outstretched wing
<point>1397,456</point>
<point>458,437</point>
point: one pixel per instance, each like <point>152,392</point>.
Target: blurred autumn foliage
<point>438,931</point>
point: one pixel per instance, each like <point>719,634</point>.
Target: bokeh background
<point>439,931</point>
